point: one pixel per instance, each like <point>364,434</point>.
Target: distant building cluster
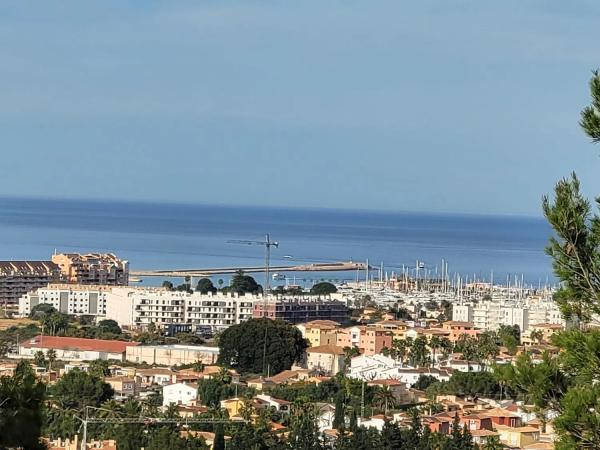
<point>491,315</point>
<point>20,277</point>
<point>172,311</point>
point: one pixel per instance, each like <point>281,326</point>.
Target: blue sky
<point>468,106</point>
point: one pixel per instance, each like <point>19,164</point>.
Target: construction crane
<point>183,421</point>
<point>268,243</point>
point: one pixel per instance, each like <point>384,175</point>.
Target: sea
<point>181,236</point>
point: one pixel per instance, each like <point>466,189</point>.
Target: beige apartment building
<point>92,268</point>
<point>19,277</point>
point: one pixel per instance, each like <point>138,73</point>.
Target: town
<point>235,366</point>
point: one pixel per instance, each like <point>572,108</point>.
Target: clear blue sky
<point>467,106</point>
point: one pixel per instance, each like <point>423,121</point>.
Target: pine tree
<point>413,435</point>
<point>304,432</point>
<point>391,436</point>
<point>590,116</point>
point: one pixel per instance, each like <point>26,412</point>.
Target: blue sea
<point>178,236</point>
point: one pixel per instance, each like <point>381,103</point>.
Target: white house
<point>374,422</point>
<point>179,393</point>
<point>326,415</point>
<point>465,366</point>
<point>328,359</point>
<point>369,368</point>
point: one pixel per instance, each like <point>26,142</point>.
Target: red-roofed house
<point>75,349</point>
<point>502,416</point>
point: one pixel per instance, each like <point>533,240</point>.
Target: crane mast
<point>268,243</point>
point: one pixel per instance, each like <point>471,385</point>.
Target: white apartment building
<point>74,299</point>
<point>490,315</point>
<point>139,307</point>
<point>462,313</point>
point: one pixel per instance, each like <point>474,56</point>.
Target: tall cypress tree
<point>219,443</point>
<point>339,419</point>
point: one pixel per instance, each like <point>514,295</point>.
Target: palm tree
<point>39,359</point>
<point>198,366</point>
<point>537,335</point>
<point>51,357</point>
<point>132,408</point>
<point>446,346</point>
<point>419,354</point>
<point>171,412</point>
<point>401,347</point>
<point>384,398</point>
<point>110,409</point>
<point>247,409</point>
<point>223,376</point>
<point>434,344</point>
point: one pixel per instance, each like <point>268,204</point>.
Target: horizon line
<point>99,200</point>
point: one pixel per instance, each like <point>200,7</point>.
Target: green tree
<point>219,442</point>
<point>434,344</point>
<point>590,116</point>
<point>492,443</point>
<point>400,348</point>
<point>39,359</point>
<point>384,398</point>
<point>339,419</point>
<point>424,382</point>
<point>391,436</point>
<point>510,337</point>
<point>541,384</point>
<point>167,285</point>
<point>78,389</point>
<point>98,368</point>
<point>261,344</point>
<point>349,353</point>
<point>21,401</point>
<point>243,284</point>
<point>419,353</point>
<point>304,432</point>
<point>109,326</point>
<point>323,288</point>
<point>536,335</point>
<point>205,285</point>
<point>50,357</point>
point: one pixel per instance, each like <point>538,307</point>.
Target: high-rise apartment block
<point>19,277</point>
<point>72,299</point>
<point>92,268</point>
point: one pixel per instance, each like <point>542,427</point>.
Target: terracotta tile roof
<point>388,382</point>
<point>483,433</point>
<point>540,446</point>
<point>284,376</point>
<point>330,349</point>
<point>499,412</point>
<point>81,344</point>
